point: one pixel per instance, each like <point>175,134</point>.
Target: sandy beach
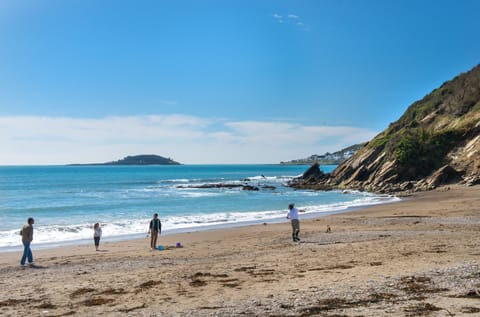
<point>417,257</point>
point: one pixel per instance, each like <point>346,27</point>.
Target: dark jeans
<point>27,253</point>
<point>96,240</point>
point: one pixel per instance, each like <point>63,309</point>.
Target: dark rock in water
<point>313,174</point>
<point>313,178</point>
<point>250,187</point>
<point>221,185</point>
<point>229,186</point>
<point>269,187</point>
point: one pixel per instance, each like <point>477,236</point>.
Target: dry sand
<point>418,257</point>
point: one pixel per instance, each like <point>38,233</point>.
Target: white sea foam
<point>62,234</point>
<point>65,206</point>
<point>193,194</point>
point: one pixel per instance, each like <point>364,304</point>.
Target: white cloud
<point>278,17</point>
<point>187,139</point>
<point>291,19</point>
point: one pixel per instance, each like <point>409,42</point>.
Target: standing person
<point>27,238</point>
<point>97,234</point>
<point>155,229</point>
<point>293,216</point>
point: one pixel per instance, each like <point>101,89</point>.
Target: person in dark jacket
<point>154,230</point>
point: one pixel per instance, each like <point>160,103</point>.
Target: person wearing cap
<point>294,220</point>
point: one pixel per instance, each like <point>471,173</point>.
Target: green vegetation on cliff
<point>436,141</point>
<point>432,127</point>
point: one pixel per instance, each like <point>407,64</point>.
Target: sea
<point>66,201</point>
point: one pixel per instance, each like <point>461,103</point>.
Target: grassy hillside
<point>436,140</point>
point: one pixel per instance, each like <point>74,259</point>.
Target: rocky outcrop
<point>444,175</point>
<point>435,142</point>
<point>313,174</point>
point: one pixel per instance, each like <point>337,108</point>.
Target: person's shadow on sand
<point>34,266</point>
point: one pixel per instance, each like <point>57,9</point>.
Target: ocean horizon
<point>67,200</point>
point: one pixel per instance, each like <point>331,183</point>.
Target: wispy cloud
<point>168,102</point>
<point>278,17</point>
<point>188,139</point>
<point>291,19</point>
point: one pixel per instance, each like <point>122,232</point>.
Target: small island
<point>144,159</point>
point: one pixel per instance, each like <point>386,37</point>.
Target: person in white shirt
<point>294,219</point>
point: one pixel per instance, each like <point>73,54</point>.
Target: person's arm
<point>159,227</point>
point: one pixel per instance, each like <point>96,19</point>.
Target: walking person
<point>27,238</point>
<point>154,229</point>
<point>97,234</point>
<point>295,221</point>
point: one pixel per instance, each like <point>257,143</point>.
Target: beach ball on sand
<point>160,248</point>
<point>178,245</point>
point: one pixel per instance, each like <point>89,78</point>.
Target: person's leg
<point>296,229</point>
<point>293,230</point>
<point>30,255</point>
<point>154,237</point>
<point>26,247</point>
<point>97,242</point>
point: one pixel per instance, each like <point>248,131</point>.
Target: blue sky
<point>218,81</point>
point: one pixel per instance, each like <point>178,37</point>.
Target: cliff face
<point>436,141</point>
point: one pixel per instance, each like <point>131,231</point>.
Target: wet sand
<point>417,257</point>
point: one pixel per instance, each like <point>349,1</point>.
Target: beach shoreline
<point>409,258</point>
<point>205,227</point>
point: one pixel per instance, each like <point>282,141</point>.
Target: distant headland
<point>144,159</point>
